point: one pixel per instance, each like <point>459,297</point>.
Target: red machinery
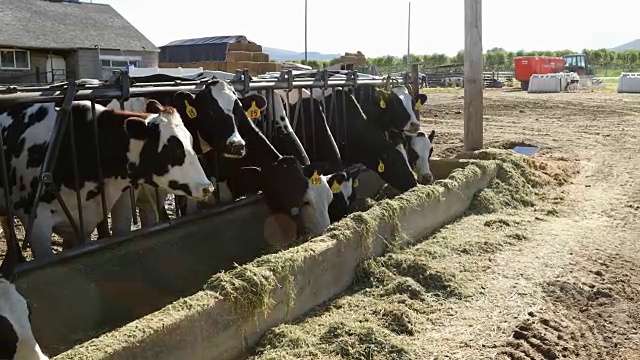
<point>525,66</point>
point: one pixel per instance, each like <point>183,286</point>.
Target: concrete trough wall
<point>86,296</point>
<point>81,298</point>
<point>219,325</point>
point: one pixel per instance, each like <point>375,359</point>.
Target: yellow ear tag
<point>253,111</point>
<point>315,179</point>
<point>383,105</point>
<point>191,111</point>
<point>335,188</point>
<point>380,167</point>
<point>356,183</point>
<point>418,105</point>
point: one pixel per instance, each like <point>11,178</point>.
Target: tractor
<point>577,63</point>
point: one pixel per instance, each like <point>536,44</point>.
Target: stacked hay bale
<point>357,59</point>
<point>250,56</point>
<point>240,55</point>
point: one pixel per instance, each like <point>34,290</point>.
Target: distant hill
<point>285,55</point>
<point>633,45</point>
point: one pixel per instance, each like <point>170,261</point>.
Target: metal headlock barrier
<point>121,88</point>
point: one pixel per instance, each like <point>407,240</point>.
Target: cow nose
<point>414,127</point>
<point>426,179</point>
<point>236,148</point>
<point>207,191</point>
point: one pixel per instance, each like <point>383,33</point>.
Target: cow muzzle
<point>235,149</point>
<point>412,128</point>
<point>425,179</point>
<point>203,192</point>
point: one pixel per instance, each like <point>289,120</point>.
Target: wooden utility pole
<point>473,82</point>
<point>409,38</point>
<point>306,10</point>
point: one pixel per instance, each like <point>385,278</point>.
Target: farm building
<point>224,53</point>
<point>44,41</point>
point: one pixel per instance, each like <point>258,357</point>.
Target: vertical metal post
<point>50,158</point>
<point>76,178</point>
<point>11,236</point>
<point>306,59</point>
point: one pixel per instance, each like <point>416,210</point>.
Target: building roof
<point>67,25</point>
<point>210,40</point>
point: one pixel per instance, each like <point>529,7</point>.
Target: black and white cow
<point>360,141</point>
<point>16,337</point>
<point>135,148</point>
<point>418,150</point>
<point>290,190</point>
<point>392,112</point>
<point>344,186</point>
<point>310,126</point>
<point>209,116</point>
<point>314,212</point>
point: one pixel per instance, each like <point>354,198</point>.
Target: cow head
<point>419,150</point>
<point>16,337</point>
<point>344,185</point>
<point>394,109</point>
<point>390,163</point>
<point>161,152</point>
<point>315,208</point>
<point>217,111</point>
<point>297,201</point>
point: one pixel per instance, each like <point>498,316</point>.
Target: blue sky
<point>337,26</point>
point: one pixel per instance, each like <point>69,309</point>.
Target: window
<point>14,60</point>
<point>118,64</point>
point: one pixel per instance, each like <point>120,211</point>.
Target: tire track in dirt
<point>593,315</point>
<point>584,263</point>
<point>594,312</point>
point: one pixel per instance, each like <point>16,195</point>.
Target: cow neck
<point>258,147</point>
<point>114,145</point>
<point>143,171</point>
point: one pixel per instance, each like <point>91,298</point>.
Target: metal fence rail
<point>122,89</point>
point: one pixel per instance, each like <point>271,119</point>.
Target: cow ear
<point>309,170</point>
<point>381,98</point>
<point>247,102</point>
<point>185,103</point>
<point>422,98</point>
<point>354,171</point>
<point>136,128</point>
<point>153,107</point>
<point>431,136</point>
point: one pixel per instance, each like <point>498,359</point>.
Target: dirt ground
<point>556,280</point>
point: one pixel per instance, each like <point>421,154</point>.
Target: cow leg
<point>41,234</point>
<point>103,229</point>
<point>121,216</point>
<point>147,205</point>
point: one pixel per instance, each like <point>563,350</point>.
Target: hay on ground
<point>394,295</point>
<point>249,288</point>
